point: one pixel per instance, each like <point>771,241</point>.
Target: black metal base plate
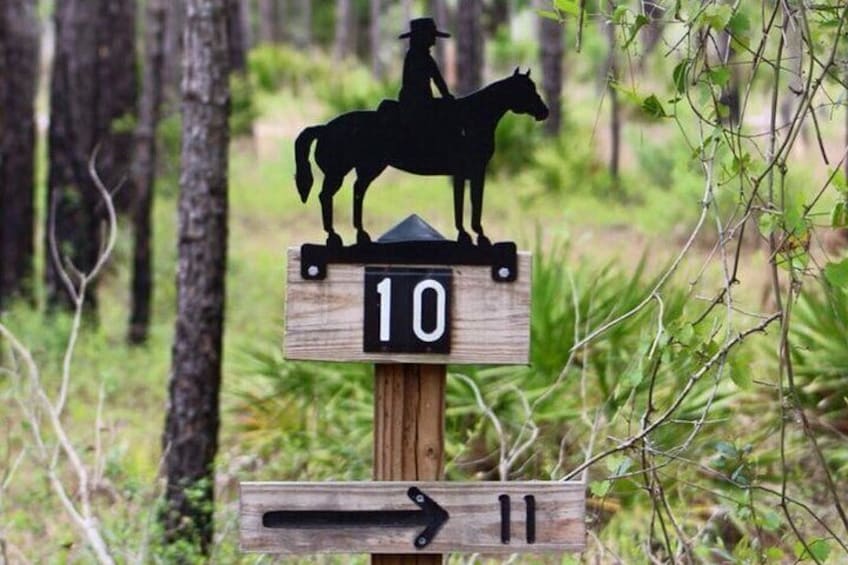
<point>501,257</point>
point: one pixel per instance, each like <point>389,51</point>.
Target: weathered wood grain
<point>409,433</point>
<point>474,524</point>
<point>490,322</point>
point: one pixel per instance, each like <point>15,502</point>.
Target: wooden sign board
<point>487,322</point>
<point>413,517</point>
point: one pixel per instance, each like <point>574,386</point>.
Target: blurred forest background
<point>687,204</point>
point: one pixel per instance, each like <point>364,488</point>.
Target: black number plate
<point>407,310</point>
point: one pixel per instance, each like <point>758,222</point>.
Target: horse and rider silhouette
<point>419,134</point>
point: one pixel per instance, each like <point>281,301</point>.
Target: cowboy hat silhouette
<point>423,27</point>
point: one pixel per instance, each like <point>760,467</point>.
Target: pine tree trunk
<point>144,170</point>
<point>304,38</point>
<point>235,33</point>
<point>118,103</point>
<point>18,83</point>
<point>551,53</point>
<point>374,33</point>
<point>497,13</point>
<point>174,26</point>
<point>267,19</point>
<point>191,428</point>
<point>344,27</point>
<point>92,104</point>
<point>246,16</point>
<point>470,46</point>
<point>439,12</point>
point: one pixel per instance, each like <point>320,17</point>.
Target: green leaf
<point>600,488</point>
<point>717,16</point>
<point>727,449</point>
<point>774,555</point>
<point>679,75</point>
<point>839,216</point>
<point>740,28</point>
<point>549,14</point>
<point>840,182</point>
<point>836,273</point>
<point>619,15</point>
<point>767,223</point>
<point>641,21</point>
<point>635,374</point>
<point>769,519</point>
<point>619,465</point>
<point>686,334</point>
<point>653,107</point>
<point>795,221</point>
<point>570,7</point>
<point>719,75</point>
<point>819,548</point>
<point>741,378</point>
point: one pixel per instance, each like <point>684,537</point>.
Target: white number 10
<point>384,289</point>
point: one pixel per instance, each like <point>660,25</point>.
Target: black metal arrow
<point>431,515</point>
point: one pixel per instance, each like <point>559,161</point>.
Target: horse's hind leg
<point>331,186</point>
<point>477,183</point>
<point>364,178</point>
<point>458,202</point>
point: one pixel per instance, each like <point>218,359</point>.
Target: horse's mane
<point>492,86</point>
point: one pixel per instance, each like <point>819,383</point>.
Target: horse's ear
<point>528,73</point>
<point>515,74</point>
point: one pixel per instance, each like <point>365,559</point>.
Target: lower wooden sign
<point>412,517</point>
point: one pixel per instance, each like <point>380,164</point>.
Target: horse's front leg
<point>477,183</point>
<point>458,212</point>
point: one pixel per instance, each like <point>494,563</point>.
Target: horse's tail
<point>303,174</point>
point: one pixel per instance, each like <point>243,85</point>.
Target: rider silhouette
<point>419,68</point>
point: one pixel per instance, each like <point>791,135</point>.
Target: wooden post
<point>409,433</point>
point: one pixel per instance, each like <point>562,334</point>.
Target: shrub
<point>243,110</point>
<point>271,67</point>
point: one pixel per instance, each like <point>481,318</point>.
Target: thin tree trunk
<point>174,26</point>
<point>18,83</point>
<point>268,18</point>
<point>305,38</point>
<point>144,171</point>
<point>730,93</point>
<point>551,54</point>
<point>283,16</point>
<point>118,104</point>
<point>407,10</point>
<point>439,12</point>
<point>376,62</point>
<point>497,13</point>
<point>794,60</point>
<point>246,17</point>
<point>92,101</point>
<point>652,31</point>
<point>344,27</point>
<point>615,104</point>
<point>470,46</point>
<point>235,34</point>
<point>191,428</point>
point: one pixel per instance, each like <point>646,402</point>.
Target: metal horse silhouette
<point>419,134</point>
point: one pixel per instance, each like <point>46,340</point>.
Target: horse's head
<point>523,98</point>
